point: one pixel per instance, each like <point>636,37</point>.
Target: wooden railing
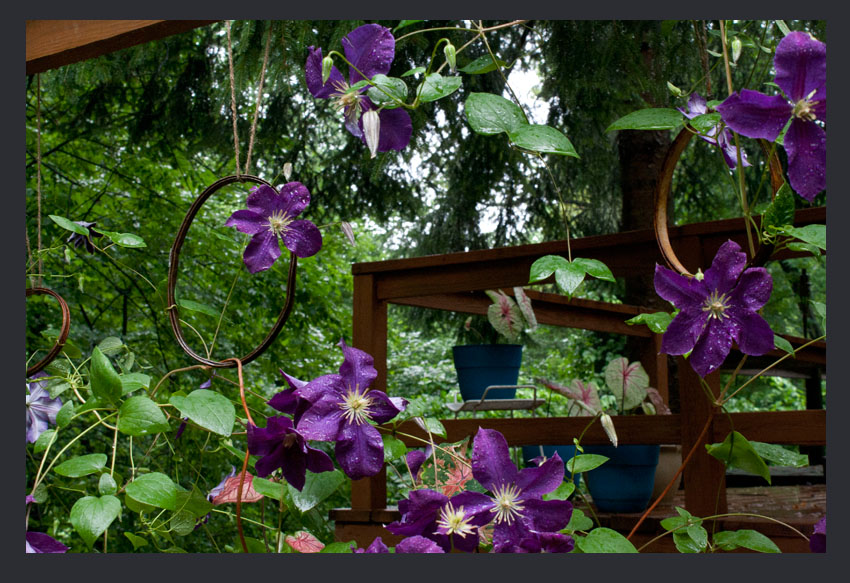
<point>456,282</point>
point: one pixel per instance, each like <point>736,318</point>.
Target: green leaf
<point>595,268</point>
<point>414,71</point>
<point>208,409</point>
<point>729,540</point>
<point>820,310</point>
<point>105,382</point>
<point>63,417</point>
<point>106,485</point>
<point>705,123</point>
<point>140,416</point>
<point>546,266</point>
<point>396,88</point>
<point>92,515</point>
<point>562,492</point>
<point>133,381</point>
<point>605,540</point>
<point>56,387</point>
<point>585,462</point>
<point>506,317</point>
<point>433,426</point>
<point>657,322</point>
<point>543,139</point>
<point>579,521</point>
<point>136,506</point>
<point>804,248</point>
<point>110,345</point>
<point>685,544</point>
<point>779,456</point>
<point>405,23</point>
<point>123,239</point>
<point>481,65</point>
<point>44,440</point>
<point>435,87</point>
<point>813,234</point>
<point>699,535</point>
<point>198,307</point>
<point>194,502</point>
<point>569,277</point>
<point>737,452</point>
<point>268,488</point>
<point>80,466</point>
<point>316,489</point>
<point>782,344</point>
<point>182,523</point>
<point>780,213</point>
<point>137,541</point>
<point>339,547</point>
<point>69,225</point>
<point>394,448</point>
<point>154,489</point>
<point>490,114</point>
<point>648,119</point>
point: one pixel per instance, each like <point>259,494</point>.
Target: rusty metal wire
<point>662,193</point>
<point>174,266</point>
<point>63,333</point>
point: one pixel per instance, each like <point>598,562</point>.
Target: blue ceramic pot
<point>480,365</point>
<point>623,483</point>
<point>567,452</point>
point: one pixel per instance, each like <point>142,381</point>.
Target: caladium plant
<point>509,316</point>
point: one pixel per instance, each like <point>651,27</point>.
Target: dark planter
<point>480,365</point>
<point>623,483</point>
<point>567,452</point>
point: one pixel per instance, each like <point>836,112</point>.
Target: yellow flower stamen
<point>355,406</point>
<point>279,222</point>
<point>454,521</point>
<point>508,507</point>
<point>716,305</point>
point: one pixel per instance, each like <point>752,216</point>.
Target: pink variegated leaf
<point>231,487</point>
<point>657,401</point>
<point>505,316</point>
<point>524,303</point>
<point>304,542</point>
<point>627,382</point>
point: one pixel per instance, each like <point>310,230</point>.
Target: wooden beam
<point>54,43</point>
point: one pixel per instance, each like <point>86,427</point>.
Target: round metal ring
<point>63,333</point>
<point>173,267</point>
<point>662,192</point>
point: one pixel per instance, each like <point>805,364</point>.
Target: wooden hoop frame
<point>662,193</point>
<point>63,333</point>
<point>174,264</point>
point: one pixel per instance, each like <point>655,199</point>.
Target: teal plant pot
<point>623,483</point>
<point>479,366</point>
<point>567,452</point>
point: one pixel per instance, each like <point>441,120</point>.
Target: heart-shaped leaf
<point>395,87</point>
<point>105,382</point>
<point>605,540</point>
<point>737,452</point>
<point>140,416</point>
<point>628,383</point>
<point>154,489</point>
<point>648,119</point>
<point>481,65</point>
<point>490,114</point>
<point>543,139</point>
<point>304,542</point>
<point>69,225</point>
<point>746,538</point>
<point>208,409</point>
<point>595,268</point>
<point>92,515</point>
<point>505,317</point>
<point>317,488</point>
<point>435,87</point>
<point>81,465</point>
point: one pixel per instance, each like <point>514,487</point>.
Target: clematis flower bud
<point>372,130</point>
<point>327,64</point>
<point>451,56</point>
<point>287,170</point>
<point>608,426</point>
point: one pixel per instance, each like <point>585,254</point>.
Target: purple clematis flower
<point>341,408</point>
<point>371,49</point>
<point>283,447</point>
<point>800,65</point>
<point>78,240</point>
<point>515,502</point>
<point>717,309</point>
<point>38,542</point>
<point>817,542</point>
<point>271,216</point>
<point>287,401</point>
<point>697,106</point>
<point>41,409</point>
<point>413,544</point>
<point>452,523</point>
